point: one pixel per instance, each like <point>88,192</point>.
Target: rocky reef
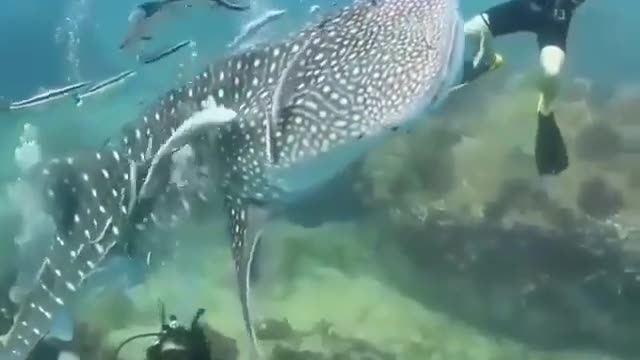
<point>553,265</point>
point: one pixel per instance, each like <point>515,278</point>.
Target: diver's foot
<point>471,73</point>
<point>551,151</point>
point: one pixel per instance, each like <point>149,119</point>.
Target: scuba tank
<point>174,341</point>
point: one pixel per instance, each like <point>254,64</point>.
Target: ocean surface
<point>438,245</point>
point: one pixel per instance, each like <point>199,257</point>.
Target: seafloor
<point>439,246</point>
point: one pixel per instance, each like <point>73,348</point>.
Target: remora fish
<point>47,96</point>
<point>166,52</point>
<point>303,110</point>
<point>252,27</point>
<point>143,17</point>
<point>146,16</point>
<point>104,85</point>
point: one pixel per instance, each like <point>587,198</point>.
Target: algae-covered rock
<point>272,329</point>
<point>598,142</point>
<point>108,309</point>
<point>221,347</point>
<point>285,353</point>
<point>329,346</point>
<point>336,245</point>
<point>599,199</point>
<point>517,280</point>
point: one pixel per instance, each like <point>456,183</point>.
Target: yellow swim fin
<point>471,72</point>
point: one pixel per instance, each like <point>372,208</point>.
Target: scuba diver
<point>549,20</point>
<point>175,341</point>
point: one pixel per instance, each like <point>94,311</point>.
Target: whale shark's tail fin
<point>84,196</point>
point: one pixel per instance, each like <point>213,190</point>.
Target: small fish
<point>231,6</point>
<point>147,16</point>
<point>314,9</point>
<point>252,27</point>
<point>166,52</point>
<point>142,18</point>
<point>104,85</point>
<point>47,96</point>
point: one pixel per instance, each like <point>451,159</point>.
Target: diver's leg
<point>477,30</point>
<point>505,18</point>
<point>551,61</point>
<point>485,58</point>
<point>550,152</point>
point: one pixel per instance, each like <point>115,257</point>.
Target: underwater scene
<point>319,180</point>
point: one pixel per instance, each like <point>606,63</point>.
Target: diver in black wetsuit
<point>550,21</point>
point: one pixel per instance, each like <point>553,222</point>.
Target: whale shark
<point>272,123</point>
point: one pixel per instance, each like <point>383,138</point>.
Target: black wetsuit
<point>548,19</point>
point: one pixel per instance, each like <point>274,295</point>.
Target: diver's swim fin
<point>471,72</point>
<point>550,149</point>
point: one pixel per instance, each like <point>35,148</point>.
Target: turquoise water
<point>439,245</point>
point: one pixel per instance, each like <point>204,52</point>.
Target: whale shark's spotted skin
<point>87,207</point>
<point>305,107</point>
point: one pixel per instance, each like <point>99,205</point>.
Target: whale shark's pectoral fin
<point>246,225</point>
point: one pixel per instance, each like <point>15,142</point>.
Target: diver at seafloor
<point>550,21</point>
<point>175,341</point>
